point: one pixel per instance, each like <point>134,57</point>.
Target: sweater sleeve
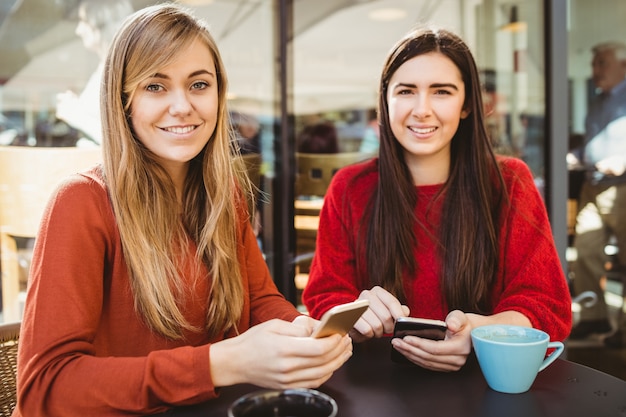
<point>532,280</point>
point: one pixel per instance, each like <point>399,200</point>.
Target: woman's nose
<point>180,105</point>
<point>421,106</point>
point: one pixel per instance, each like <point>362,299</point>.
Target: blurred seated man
<point>602,206</point>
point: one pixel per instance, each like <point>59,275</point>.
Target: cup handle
<point>558,346</point>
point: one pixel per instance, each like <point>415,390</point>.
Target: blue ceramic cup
<point>510,357</point>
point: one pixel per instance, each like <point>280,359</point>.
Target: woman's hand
<point>381,315</point>
<point>279,354</point>
<point>449,354</point>
<point>307,322</point>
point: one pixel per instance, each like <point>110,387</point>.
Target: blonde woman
<point>147,288</point>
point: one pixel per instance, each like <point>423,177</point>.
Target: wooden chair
<point>9,336</point>
<point>314,171</point>
<point>313,175</point>
<point>27,178</point>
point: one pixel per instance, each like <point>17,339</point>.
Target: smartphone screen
<point>341,318</point>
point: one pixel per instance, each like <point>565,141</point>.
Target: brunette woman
<point>438,226</point>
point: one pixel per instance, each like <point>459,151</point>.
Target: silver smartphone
<point>340,319</point>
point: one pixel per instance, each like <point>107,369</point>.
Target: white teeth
<point>179,130</point>
<point>422,131</point>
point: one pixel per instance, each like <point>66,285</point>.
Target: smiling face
<point>426,96</point>
<point>174,112</point>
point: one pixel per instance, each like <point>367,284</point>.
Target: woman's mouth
<point>422,130</point>
<point>179,130</point>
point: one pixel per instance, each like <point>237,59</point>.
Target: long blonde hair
<point>143,195</point>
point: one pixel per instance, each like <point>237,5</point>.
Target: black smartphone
<point>411,326</point>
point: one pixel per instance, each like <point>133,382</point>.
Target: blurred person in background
<point>602,200</point>
<point>319,138</point>
<point>98,22</point>
<point>371,135</point>
<point>247,129</point>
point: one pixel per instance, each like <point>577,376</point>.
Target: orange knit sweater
<point>84,351</point>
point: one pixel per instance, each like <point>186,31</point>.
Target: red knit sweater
<point>83,350</point>
<point>530,281</point>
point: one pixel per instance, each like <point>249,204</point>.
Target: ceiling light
<point>387,15</point>
<point>514,24</point>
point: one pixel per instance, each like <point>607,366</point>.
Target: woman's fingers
<point>282,354</point>
<point>379,318</point>
<point>441,355</point>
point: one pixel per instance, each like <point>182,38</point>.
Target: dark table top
<point>370,385</point>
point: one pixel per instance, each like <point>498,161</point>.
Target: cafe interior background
<point>292,63</point>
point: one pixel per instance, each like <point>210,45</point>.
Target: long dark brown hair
<point>468,234</point>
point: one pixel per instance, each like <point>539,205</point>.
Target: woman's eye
<point>442,92</point>
<point>199,85</point>
<point>154,87</point>
<point>404,92</point>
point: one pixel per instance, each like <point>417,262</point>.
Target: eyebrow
<point>435,85</point>
<point>193,74</point>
